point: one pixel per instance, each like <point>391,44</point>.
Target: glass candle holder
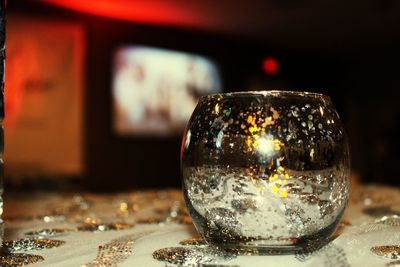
<point>265,170</point>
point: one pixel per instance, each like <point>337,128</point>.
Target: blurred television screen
<point>156,90</point>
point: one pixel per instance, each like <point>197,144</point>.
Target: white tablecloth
<point>25,213</point>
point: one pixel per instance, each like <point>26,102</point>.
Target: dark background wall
<point>348,54</point>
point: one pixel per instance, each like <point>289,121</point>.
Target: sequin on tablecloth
<point>28,244</point>
<point>114,252</point>
<point>193,256</point>
<point>101,227</point>
<point>392,220</point>
<point>18,259</point>
<point>392,252</point>
<point>48,232</point>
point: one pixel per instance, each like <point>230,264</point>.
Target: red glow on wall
<point>152,12</point>
<point>270,66</point>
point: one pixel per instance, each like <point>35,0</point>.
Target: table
<point>129,229</point>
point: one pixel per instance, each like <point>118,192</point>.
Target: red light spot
<point>270,66</point>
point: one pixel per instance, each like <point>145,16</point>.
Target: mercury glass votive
<point>265,170</point>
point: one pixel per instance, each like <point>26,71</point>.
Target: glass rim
<point>268,93</point>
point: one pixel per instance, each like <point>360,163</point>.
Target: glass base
<point>266,247</point>
<point>225,239</point>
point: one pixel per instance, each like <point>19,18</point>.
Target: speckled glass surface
<point>266,170</point>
